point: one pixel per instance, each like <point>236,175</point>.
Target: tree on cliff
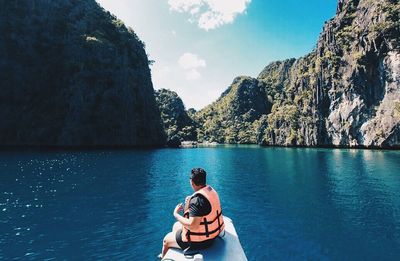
<point>72,74</point>
<point>178,125</point>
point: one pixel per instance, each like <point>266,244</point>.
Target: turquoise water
<point>297,204</point>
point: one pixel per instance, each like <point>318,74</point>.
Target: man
<point>202,220</point>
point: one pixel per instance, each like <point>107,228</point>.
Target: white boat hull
<point>226,247</point>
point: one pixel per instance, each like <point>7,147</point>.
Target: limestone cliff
<point>178,125</point>
<point>72,74</point>
<point>344,93</point>
<point>235,115</point>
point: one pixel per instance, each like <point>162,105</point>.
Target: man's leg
<point>176,226</point>
<point>169,241</point>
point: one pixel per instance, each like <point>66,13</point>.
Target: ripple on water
<point>310,204</point>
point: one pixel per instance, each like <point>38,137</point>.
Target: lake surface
<point>286,204</point>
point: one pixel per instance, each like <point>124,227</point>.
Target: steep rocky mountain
<point>344,93</point>
<point>234,116</point>
<point>71,74</point>
<point>178,125</point>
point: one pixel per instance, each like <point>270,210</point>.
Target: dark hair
<point>198,176</point>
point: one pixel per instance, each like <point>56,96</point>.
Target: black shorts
<point>193,245</point>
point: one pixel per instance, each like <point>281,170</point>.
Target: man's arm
<point>186,222</point>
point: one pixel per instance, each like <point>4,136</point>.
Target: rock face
<point>235,115</point>
<point>363,89</point>
<point>178,125</point>
<point>344,93</point>
<point>71,74</point>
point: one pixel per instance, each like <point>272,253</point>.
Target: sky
<point>200,46</point>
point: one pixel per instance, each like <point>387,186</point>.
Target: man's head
<point>198,177</point>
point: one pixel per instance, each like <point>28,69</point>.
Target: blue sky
<point>200,46</point>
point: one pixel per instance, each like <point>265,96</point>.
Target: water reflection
<point>366,204</point>
<point>69,204</point>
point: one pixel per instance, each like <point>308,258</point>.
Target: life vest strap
<point>206,227</point>
<point>204,233</point>
<point>219,221</point>
<point>210,222</point>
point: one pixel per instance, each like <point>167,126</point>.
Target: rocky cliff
<point>344,93</point>
<point>233,118</point>
<point>72,74</point>
<point>178,125</point>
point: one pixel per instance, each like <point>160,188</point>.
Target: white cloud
<point>193,74</point>
<point>191,63</point>
<point>195,10</point>
<point>184,5</point>
<point>210,14</point>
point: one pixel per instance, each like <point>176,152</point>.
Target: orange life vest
<point>211,225</point>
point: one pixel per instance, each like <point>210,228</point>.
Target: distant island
<point>74,75</point>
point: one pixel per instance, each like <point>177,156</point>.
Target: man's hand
<point>178,208</point>
<point>187,201</point>
<point>186,222</point>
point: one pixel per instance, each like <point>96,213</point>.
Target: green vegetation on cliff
<point>234,117</point>
<point>178,125</point>
<point>73,75</point>
<point>341,94</point>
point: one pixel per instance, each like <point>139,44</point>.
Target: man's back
<point>199,206</point>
